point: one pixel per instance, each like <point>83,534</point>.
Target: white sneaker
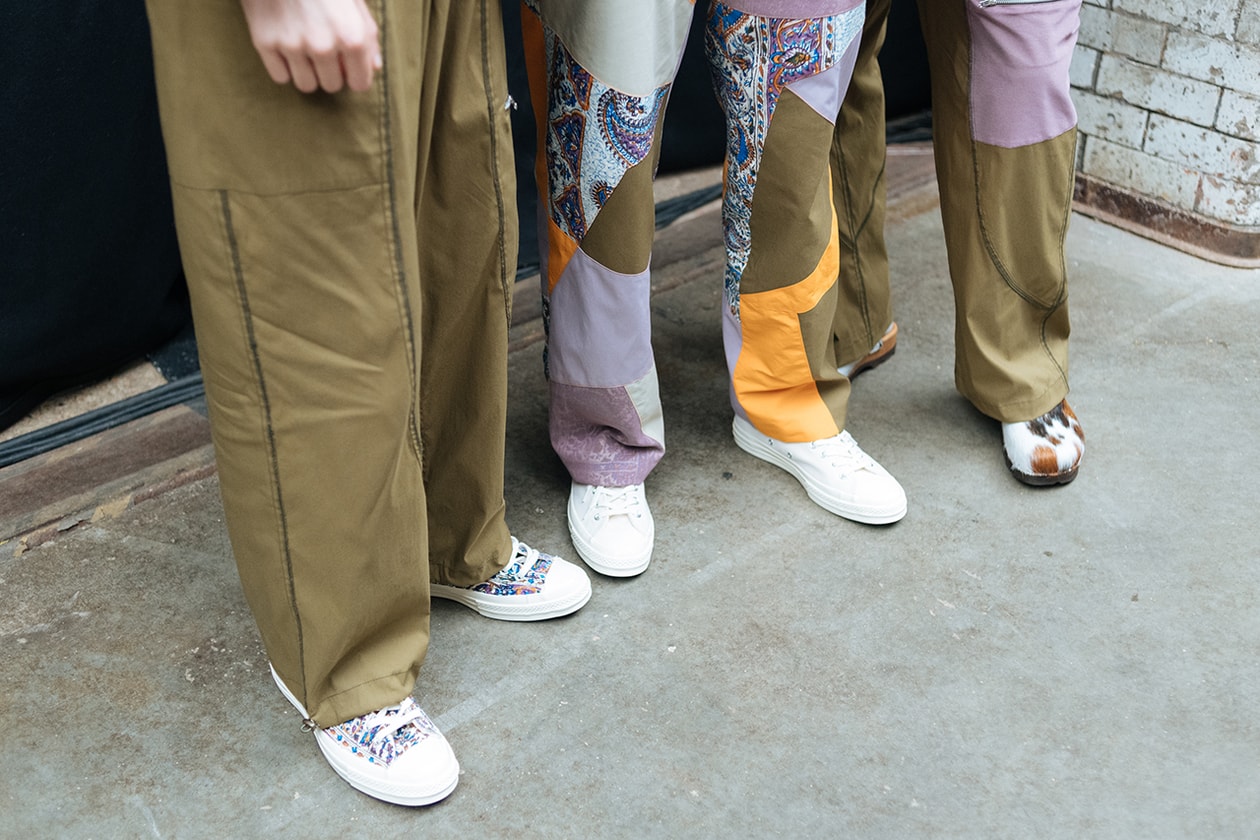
<point>396,754</point>
<point>836,473</point>
<point>611,528</point>
<point>533,586</point>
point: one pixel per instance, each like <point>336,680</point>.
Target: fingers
<point>327,67</point>
<point>361,63</point>
<point>317,44</point>
<point>277,67</point>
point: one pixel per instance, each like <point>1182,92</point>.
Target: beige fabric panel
<point>633,47</point>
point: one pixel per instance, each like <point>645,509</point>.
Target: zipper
<point>984,4</point>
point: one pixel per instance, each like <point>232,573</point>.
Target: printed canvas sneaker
<point>880,353</point>
<point>532,586</point>
<point>835,472</point>
<point>611,528</point>
<point>1045,450</point>
<point>396,754</point>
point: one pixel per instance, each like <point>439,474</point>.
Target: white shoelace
<point>403,715</point>
<point>843,453</point>
<point>523,560</point>
<point>618,501</point>
<point>379,728</point>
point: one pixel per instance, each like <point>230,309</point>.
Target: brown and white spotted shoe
<point>1046,450</point>
<point>880,353</point>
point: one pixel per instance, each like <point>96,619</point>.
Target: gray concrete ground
<point>1006,662</point>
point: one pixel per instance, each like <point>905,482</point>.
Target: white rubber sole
<point>445,772</point>
<point>754,443</point>
<point>524,607</point>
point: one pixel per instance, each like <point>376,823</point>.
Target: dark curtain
<point>89,268</point>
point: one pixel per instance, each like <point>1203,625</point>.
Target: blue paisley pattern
<point>359,735</point>
<point>753,59</point>
<point>524,575</point>
<point>594,134</point>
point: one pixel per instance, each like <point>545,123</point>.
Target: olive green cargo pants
<point>1005,142</point>
<point>349,258</point>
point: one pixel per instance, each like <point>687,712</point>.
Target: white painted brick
<point>1138,38</point>
<point>1239,115</point>
<point>1238,204</point>
<point>1235,66</point>
<point>1084,63</point>
<point>1205,150</point>
<point>1249,23</point>
<point>1158,90</point>
<point>1110,119</point>
<point>1095,28</point>
<point>1141,172</point>
<point>1211,17</point>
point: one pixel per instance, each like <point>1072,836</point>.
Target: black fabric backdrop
<point>89,267</point>
<point>90,275</point>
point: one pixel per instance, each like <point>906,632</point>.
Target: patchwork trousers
<point>349,258</point>
<point>600,74</point>
<point>1005,140</point>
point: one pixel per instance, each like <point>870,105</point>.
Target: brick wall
<point>1168,95</point>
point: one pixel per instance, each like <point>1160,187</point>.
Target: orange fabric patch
<point>535,50</point>
<point>560,249</point>
<point>773,380</point>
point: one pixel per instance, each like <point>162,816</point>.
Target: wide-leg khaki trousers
<point>349,258</point>
<point>1005,140</point>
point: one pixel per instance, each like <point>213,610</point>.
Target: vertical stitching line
<point>1063,228</point>
<point>238,274</point>
<point>856,230</point>
<point>400,273</point>
<point>494,163</point>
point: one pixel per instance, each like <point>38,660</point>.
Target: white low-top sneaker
<point>533,586</point>
<point>611,528</point>
<point>395,754</point>
<point>1047,449</point>
<point>835,472</point>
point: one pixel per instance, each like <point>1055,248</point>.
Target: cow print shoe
<point>1046,450</point>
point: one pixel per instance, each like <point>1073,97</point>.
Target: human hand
<point>315,44</point>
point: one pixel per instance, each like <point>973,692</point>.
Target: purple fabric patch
<point>600,333</point>
<point>732,343</point>
<point>793,8</point>
<point>1019,71</point>
<point>598,435</point>
<point>825,91</point>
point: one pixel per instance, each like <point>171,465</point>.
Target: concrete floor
<point>1004,663</point>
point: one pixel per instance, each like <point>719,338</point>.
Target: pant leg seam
<point>385,127</point>
<point>238,274</point>
<point>494,163</point>
<point>857,230</point>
